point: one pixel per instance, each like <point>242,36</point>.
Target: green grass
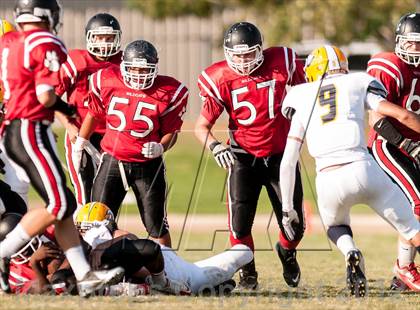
<point>197,184</point>
<point>322,285</point>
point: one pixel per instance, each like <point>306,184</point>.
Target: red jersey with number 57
<point>30,65</point>
<point>253,102</point>
<point>74,80</point>
<point>134,117</point>
<point>401,80</point>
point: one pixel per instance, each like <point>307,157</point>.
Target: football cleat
<point>291,270</point>
<point>4,274</point>
<point>97,280</point>
<point>248,277</point>
<point>172,287</point>
<point>409,275</point>
<point>398,285</point>
<point>356,280</point>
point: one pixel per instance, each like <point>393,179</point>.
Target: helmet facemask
<point>402,42</point>
<point>25,253</point>
<point>139,80</point>
<point>244,67</point>
<point>103,49</point>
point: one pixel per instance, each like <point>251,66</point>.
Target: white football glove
<point>290,219</point>
<point>77,152</point>
<point>152,149</point>
<point>222,154</point>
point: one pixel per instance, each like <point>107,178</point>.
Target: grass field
<point>322,285</point>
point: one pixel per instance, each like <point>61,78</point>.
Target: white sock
<point>14,241</point>
<point>406,254</point>
<point>78,262</point>
<point>159,278</point>
<point>345,244</point>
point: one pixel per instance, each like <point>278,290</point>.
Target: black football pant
<point>245,181</point>
<point>147,179</point>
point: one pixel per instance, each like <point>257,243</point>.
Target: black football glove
<point>412,148</point>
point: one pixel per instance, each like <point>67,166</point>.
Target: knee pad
<point>335,232</point>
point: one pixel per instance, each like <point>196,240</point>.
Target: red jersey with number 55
<point>74,80</point>
<point>401,80</point>
<point>253,102</point>
<point>30,65</point>
<point>134,117</point>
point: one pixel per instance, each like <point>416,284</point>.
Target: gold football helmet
<point>6,26</point>
<point>93,214</point>
<point>325,59</point>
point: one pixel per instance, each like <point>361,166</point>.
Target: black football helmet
<point>142,56</point>
<point>408,30</point>
<point>7,223</point>
<point>241,39</point>
<point>103,24</point>
<point>36,11</point>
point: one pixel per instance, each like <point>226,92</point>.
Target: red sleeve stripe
<point>213,86</point>
<point>177,92</point>
<point>176,104</point>
<point>382,63</point>
<point>209,92</point>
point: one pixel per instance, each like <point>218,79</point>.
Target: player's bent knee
<point>148,248</point>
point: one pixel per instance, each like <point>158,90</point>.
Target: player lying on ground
<point>329,111</point>
<point>112,246</point>
<point>32,266</point>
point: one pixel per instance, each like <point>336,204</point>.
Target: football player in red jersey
<point>394,146</point>
<point>143,113</point>
<point>103,37</point>
<point>30,61</point>
<point>250,85</point>
<point>13,176</point>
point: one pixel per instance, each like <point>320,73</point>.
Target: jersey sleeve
<point>296,72</point>
<point>45,61</point>
<point>95,104</point>
<point>212,106</point>
<point>388,74</point>
<point>68,75</point>
<point>172,118</point>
